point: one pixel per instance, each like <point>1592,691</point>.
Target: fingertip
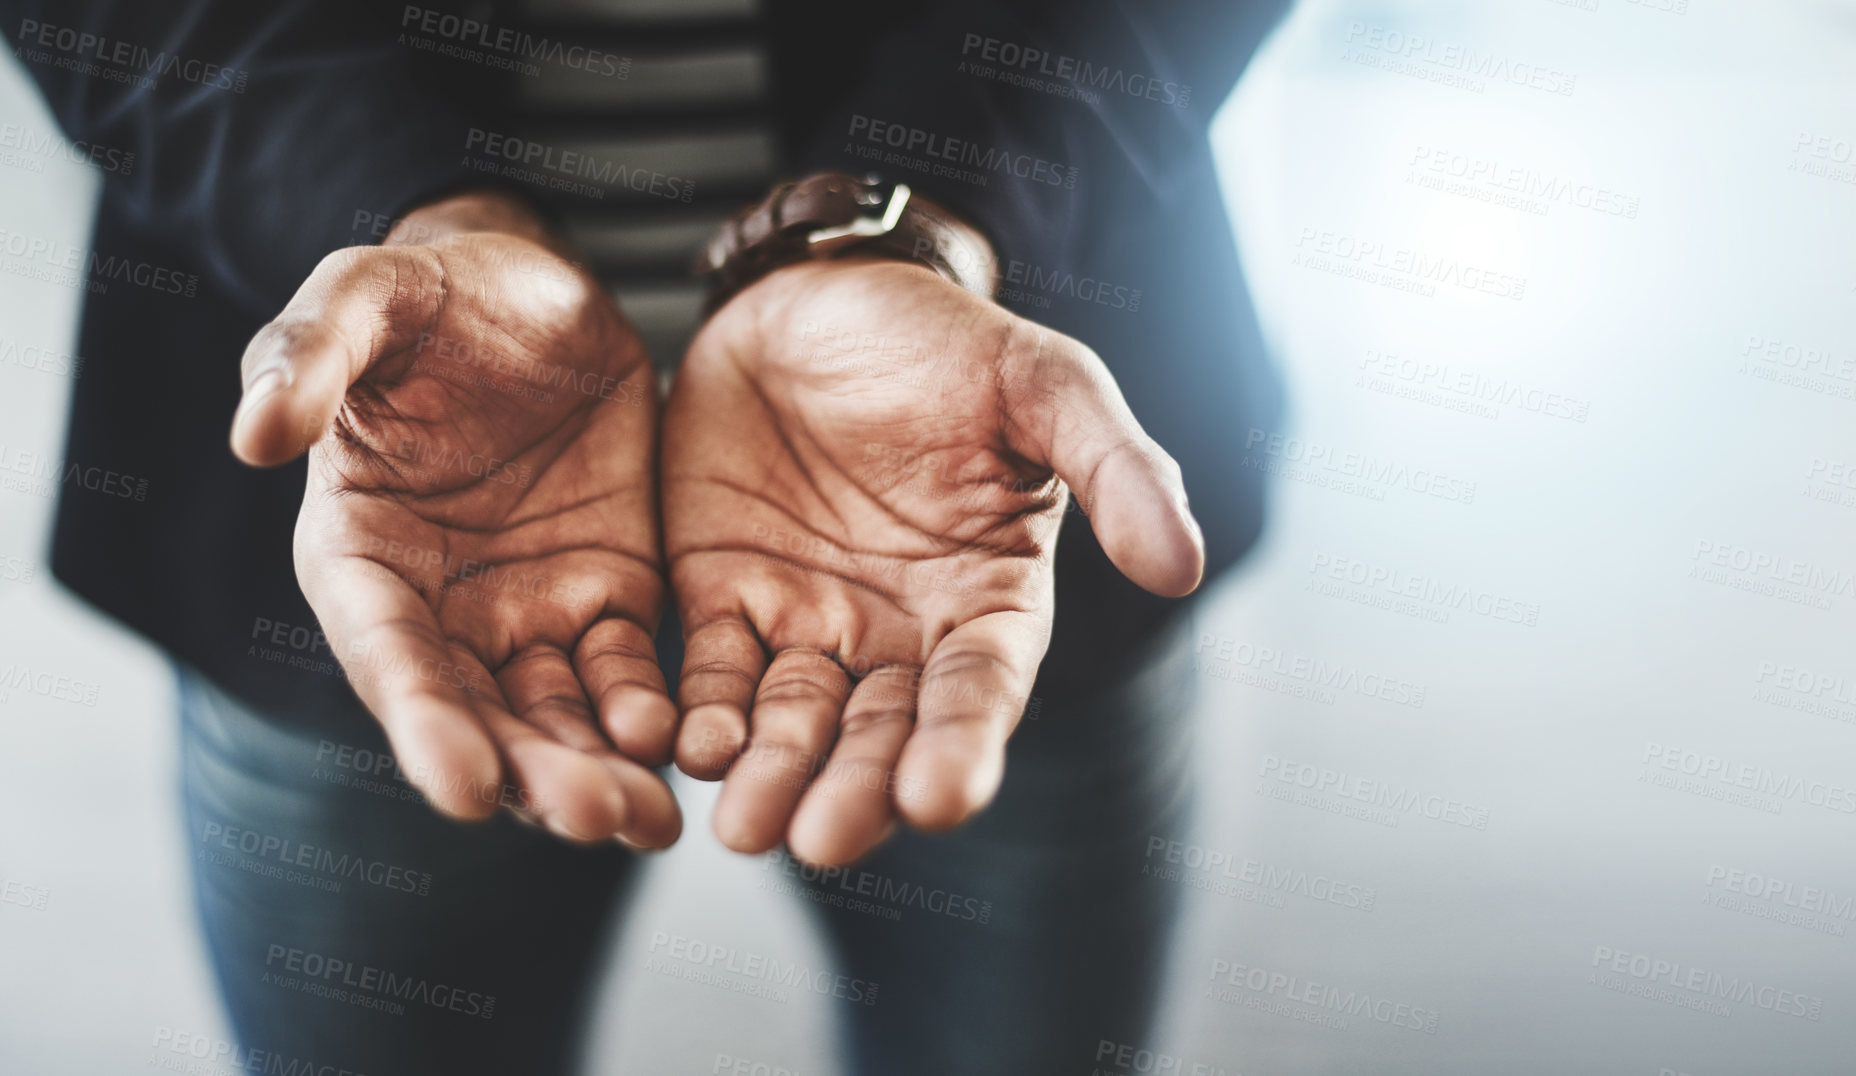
<point>262,434</point>
<point>460,809</point>
<point>594,808</point>
<point>460,775</point>
<point>712,736</point>
<point>752,813</point>
<point>641,722</point>
<point>653,819</point>
<point>1180,569</point>
<point>1145,525</point>
<point>822,841</point>
<point>740,832</point>
<point>660,839</point>
<point>939,788</point>
<point>1187,555</point>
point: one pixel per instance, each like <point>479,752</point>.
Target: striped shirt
<point>657,127</point>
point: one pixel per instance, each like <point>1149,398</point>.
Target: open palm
<point>864,470</point>
<point>478,535</point>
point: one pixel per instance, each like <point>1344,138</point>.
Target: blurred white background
<point>1653,248</point>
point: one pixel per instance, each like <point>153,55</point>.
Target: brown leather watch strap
<point>830,214</point>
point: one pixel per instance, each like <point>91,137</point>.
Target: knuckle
<point>718,670</point>
<point>960,664</point>
<point>793,688</point>
<point>894,713</point>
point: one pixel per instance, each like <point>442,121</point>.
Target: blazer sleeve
<point>265,133</point>
<point>1031,116</point>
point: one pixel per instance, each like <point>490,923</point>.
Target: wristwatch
<point>831,214</point>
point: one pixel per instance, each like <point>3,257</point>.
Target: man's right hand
<point>478,535</point>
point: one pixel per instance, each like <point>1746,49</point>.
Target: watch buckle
<point>864,227</point>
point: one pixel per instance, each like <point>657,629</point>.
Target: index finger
<point>973,691</point>
<point>419,685</point>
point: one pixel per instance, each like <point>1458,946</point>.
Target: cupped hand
<point>478,535</point>
<point>864,472</point>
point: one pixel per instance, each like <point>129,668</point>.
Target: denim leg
<point>1019,942</point>
<point>352,926</point>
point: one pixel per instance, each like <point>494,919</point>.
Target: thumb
<point>359,305</point>
<point>1070,416</point>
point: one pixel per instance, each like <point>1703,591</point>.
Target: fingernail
<point>263,386</point>
<point>1185,512</point>
<point>559,829</point>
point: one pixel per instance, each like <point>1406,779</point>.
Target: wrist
<point>835,215</point>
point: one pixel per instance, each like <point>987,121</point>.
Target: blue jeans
<point>351,926</point>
